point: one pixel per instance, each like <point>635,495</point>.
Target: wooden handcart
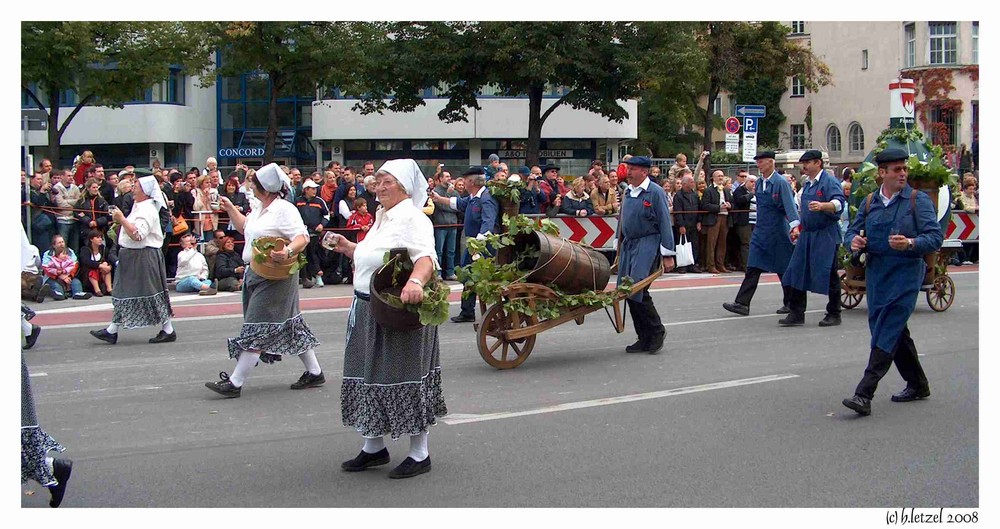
<point>506,337</point>
<point>938,286</point>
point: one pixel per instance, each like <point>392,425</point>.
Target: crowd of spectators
<point>69,218</point>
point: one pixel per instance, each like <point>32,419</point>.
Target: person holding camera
<point>532,197</point>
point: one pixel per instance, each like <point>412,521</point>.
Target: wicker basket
<point>385,314</point>
<point>268,269</point>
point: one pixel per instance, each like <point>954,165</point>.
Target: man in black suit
<point>688,224</point>
<point>716,201</point>
<point>740,220</point>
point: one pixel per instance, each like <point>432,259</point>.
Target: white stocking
<point>373,445</point>
<point>245,363</point>
<point>309,360</point>
<point>418,447</point>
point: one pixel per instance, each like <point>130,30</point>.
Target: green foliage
<point>488,279</point>
<point>105,63</point>
<point>505,189</point>
<point>264,246</point>
<point>595,63</point>
<point>433,309</point>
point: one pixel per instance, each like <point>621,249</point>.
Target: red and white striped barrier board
<point>964,226</point>
<point>598,232</point>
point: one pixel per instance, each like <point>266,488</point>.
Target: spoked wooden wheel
<point>941,294</point>
<point>500,353</point>
<point>850,297</point>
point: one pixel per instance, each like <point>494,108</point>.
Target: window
<point>798,137</point>
<point>833,138</point>
<point>798,27</point>
<point>911,45</point>
<point>798,89</point>
<point>975,43</point>
<point>948,134</point>
<point>864,59</point>
<point>856,136</point>
<point>732,106</point>
<point>717,106</point>
<point>944,43</point>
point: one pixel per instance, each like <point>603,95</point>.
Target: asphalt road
<point>736,412</point>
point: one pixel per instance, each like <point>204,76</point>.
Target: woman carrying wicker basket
<point>272,322</point>
<point>392,378</point>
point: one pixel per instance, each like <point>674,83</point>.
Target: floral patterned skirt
<point>392,379</point>
<point>139,294</point>
<point>272,322</point>
<point>35,443</point>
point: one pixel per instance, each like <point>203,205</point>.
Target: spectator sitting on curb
<point>192,269</point>
<point>229,266</point>
<point>60,266</point>
<point>95,264</point>
<point>33,287</point>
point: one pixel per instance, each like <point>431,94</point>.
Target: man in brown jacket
<point>605,198</point>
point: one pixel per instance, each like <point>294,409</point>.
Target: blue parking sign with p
<point>749,124</point>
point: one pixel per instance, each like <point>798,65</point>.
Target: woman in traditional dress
<point>36,444</point>
<point>272,322</point>
<point>139,294</point>
<point>392,379</point>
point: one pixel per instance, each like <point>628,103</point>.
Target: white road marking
<point>32,375</point>
<point>454,288</point>
<point>454,419</point>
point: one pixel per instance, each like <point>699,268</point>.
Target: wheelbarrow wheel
<point>850,297</point>
<point>941,294</point>
<point>495,350</point>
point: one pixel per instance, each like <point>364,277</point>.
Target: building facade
<point>845,117</point>
<point>182,124</point>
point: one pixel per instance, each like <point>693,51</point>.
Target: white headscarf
<point>408,173</point>
<point>152,189</point>
<point>272,178</point>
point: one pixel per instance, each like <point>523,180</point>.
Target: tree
<point>674,67</point>
<point>747,56</point>
<point>594,63</point>
<point>297,57</point>
<point>104,63</point>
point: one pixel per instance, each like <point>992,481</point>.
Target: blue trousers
<point>444,243</point>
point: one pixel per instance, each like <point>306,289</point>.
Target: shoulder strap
<point>868,202</point>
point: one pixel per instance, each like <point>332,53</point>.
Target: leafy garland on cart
<point>488,279</point>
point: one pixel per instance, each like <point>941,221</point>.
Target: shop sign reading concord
<point>248,152</point>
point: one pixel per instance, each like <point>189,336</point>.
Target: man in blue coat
<point>771,242</point>
<point>482,216</point>
<point>644,241</point>
<point>900,228</point>
<point>813,266</point>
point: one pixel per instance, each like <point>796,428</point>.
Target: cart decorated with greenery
<point>927,173</point>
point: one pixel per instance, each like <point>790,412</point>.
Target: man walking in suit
<point>482,216</point>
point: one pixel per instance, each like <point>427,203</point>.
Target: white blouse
<point>403,226</point>
<point>279,219</point>
<point>146,219</point>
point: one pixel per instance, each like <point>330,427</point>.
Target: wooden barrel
<point>570,266</point>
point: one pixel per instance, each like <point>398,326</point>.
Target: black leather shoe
<point>224,387</point>
<point>656,344</point>
<point>106,336</point>
<point>463,318</point>
<point>737,308</point>
<point>162,337</point>
<point>44,290</point>
<point>909,394</point>
<point>308,380</point>
<point>61,469</point>
<point>792,320</point>
<point>29,340</point>
<point>859,404</point>
<point>783,310</point>
<point>830,320</point>
<point>366,460</point>
<point>409,468</point>
<point>638,347</point>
